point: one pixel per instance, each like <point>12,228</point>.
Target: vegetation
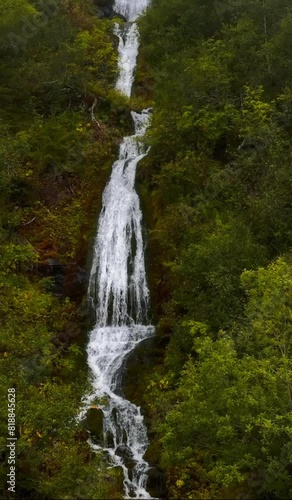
<point>219,211</point>
<point>216,191</point>
<point>61,122</point>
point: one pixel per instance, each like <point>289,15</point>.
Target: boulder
<point>125,453</point>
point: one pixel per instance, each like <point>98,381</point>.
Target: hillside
<point>216,187</point>
<point>215,384</point>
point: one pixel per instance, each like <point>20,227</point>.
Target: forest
<point>215,384</point>
<point>217,190</point>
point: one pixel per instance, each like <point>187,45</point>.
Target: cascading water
<point>117,287</point>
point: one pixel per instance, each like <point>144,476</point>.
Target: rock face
<point>94,419</point>
<point>156,483</point>
<point>105,8</point>
<point>124,451</point>
<point>109,440</point>
<point>76,281</point>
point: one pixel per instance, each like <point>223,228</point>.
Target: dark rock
<point>116,14</point>
<point>94,424</point>
<point>107,12</point>
<point>81,275</point>
<point>109,441</point>
<point>55,263</point>
<point>104,8</point>
<point>156,483</point>
<point>125,437</point>
<point>137,364</point>
<point>114,415</point>
<point>125,453</point>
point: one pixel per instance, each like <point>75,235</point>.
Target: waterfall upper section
<point>128,42</point>
<point>117,285</point>
<point>131,9</point>
<point>118,290</point>
<point>128,52</point>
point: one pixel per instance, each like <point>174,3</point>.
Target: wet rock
<point>125,453</point>
<point>136,367</point>
<point>125,437</point>
<point>81,275</point>
<point>118,474</point>
<point>104,8</point>
<point>76,281</point>
<point>114,415</point>
<point>94,424</point>
<point>107,12</point>
<point>156,483</point>
<point>109,442</point>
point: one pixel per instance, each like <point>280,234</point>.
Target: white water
<point>131,9</point>
<point>128,52</point>
<point>117,287</point>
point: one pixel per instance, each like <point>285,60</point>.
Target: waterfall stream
<point>118,289</point>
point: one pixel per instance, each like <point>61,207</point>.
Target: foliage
<point>58,66</point>
<point>219,210</point>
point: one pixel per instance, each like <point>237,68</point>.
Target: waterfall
<point>118,289</point>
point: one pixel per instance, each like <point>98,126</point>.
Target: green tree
<point>229,428</point>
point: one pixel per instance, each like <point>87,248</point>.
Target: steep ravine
<point>118,291</point>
